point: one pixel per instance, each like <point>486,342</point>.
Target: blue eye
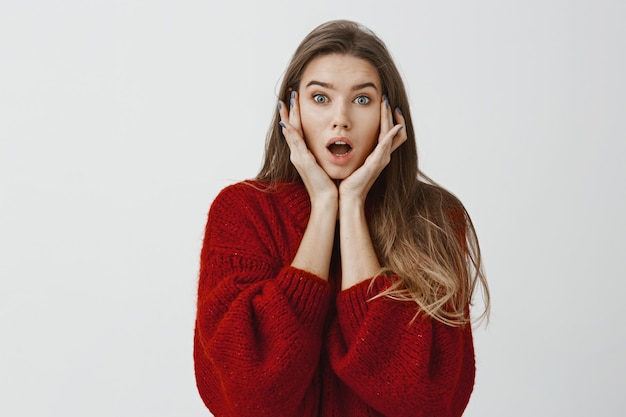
<point>362,100</point>
<point>320,98</point>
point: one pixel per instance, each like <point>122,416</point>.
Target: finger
<point>290,114</point>
<point>286,128</point>
<point>283,112</point>
<point>389,131</point>
<point>392,140</point>
<point>399,136</point>
<point>385,121</point>
<point>293,136</point>
<point>285,107</point>
<point>285,118</point>
<point>386,145</point>
<point>399,117</point>
<point>294,110</point>
<point>388,114</point>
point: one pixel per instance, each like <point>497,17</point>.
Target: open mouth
<point>339,148</point>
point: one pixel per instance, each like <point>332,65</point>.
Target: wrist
<point>351,205</point>
<point>351,197</point>
<point>327,202</point>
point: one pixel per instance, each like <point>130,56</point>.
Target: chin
<point>338,177</point>
<point>339,174</point>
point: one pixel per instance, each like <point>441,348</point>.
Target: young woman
<point>337,283</point>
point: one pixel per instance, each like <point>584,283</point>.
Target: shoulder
<point>256,191</point>
<point>236,192</point>
<point>255,197</point>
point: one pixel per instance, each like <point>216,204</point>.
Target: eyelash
<point>317,96</point>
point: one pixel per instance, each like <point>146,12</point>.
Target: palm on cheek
<point>315,179</point>
<point>390,138</point>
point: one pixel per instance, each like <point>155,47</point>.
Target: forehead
<point>340,69</point>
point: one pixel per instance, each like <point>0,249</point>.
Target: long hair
<point>421,233</point>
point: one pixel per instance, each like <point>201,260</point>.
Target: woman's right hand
<point>315,250</point>
<point>317,182</point>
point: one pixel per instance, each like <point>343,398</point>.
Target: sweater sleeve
<point>398,364</point>
<point>259,321</point>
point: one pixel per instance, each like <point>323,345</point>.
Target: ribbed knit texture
<point>273,340</point>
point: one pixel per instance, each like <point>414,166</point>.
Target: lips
<point>339,147</point>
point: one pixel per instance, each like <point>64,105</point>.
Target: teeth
<point>339,148</point>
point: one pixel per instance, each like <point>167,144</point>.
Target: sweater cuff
<point>354,302</point>
<point>308,294</point>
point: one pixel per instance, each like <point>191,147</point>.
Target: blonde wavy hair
<point>421,232</point>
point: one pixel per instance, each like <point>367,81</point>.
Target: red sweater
<point>273,340</point>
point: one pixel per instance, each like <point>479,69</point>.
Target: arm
<point>358,258</point>
<point>259,320</point>
<point>315,250</point>
<point>400,368</point>
<point>258,333</point>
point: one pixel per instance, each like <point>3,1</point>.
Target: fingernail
<point>401,127</point>
<point>292,102</point>
<point>386,101</point>
<point>279,105</point>
<point>398,110</point>
<point>282,124</point>
<point>293,94</point>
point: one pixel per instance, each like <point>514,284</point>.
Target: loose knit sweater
<point>274,340</point>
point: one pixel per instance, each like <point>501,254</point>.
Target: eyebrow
<point>331,87</point>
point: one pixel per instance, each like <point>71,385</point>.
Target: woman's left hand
<point>358,256</point>
<point>357,185</point>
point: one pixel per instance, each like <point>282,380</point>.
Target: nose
<point>341,116</point>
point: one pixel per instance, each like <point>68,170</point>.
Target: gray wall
<point>121,120</point>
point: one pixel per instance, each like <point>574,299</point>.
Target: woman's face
<point>340,107</point>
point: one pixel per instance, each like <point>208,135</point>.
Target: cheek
<point>306,125</point>
<point>372,126</point>
<point>305,120</point>
<point>310,122</point>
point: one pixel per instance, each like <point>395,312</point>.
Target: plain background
<point>121,120</point>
